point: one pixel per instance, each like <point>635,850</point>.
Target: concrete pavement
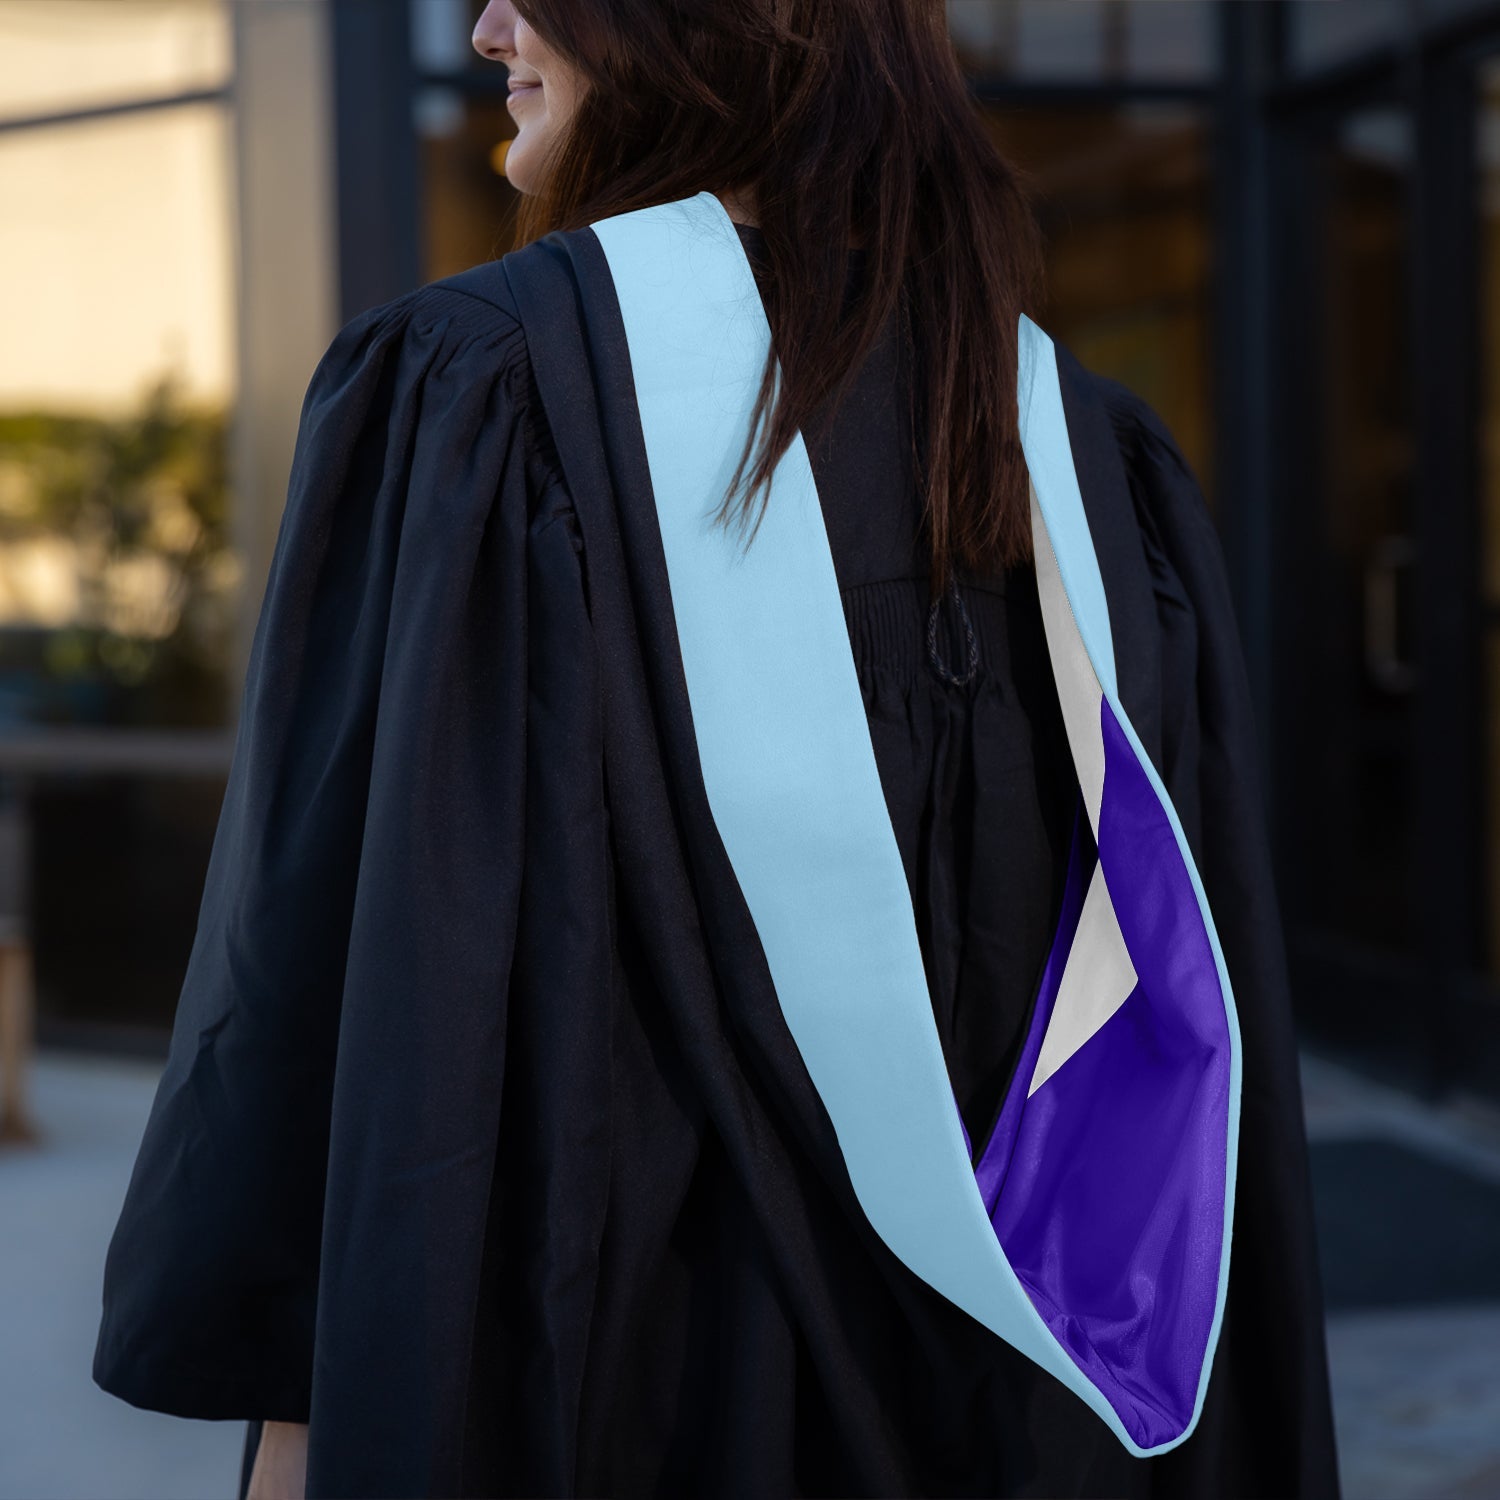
<point>1417,1388</point>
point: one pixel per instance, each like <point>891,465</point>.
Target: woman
<point>494,1154</point>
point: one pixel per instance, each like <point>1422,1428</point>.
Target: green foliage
<point>126,523</point>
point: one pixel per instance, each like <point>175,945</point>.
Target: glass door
<point>1350,685</point>
<point>1387,729</point>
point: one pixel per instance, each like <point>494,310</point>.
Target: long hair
<point>842,121</point>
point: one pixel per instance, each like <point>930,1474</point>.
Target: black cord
<point>938,665</point>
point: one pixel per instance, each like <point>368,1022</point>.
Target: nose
<point>495,31</point>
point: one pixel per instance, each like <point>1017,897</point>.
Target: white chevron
<point>1096,982</point>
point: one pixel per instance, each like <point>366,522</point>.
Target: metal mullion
<point>379,179</point>
<point>1445,364</point>
<point>1295,364</point>
<point>89,113</point>
<point>1338,87</point>
<point>1244,226</point>
<point>998,89</point>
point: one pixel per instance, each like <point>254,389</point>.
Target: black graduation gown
<point>482,1143</point>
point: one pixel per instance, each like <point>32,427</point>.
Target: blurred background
<point>1278,220</point>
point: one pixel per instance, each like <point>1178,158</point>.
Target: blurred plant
<point>117,578</point>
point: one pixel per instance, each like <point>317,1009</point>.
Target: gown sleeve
<point>344,994</point>
<point>1271,1368</point>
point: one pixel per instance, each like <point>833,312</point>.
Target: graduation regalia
<point>555,1103</point>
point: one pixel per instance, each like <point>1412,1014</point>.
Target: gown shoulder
<point>459,345</point>
<point>1168,497</point>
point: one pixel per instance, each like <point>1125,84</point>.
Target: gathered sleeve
<point>334,1067</point>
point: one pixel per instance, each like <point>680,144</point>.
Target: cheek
<point>562,96</point>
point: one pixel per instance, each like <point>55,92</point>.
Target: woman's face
<point>544,89</point>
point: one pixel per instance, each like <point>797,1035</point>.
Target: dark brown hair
<point>834,118</point>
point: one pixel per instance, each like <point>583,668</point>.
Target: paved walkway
<point>1417,1389</point>
<point>61,1437</point>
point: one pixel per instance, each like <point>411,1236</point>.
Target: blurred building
<point>1279,222</point>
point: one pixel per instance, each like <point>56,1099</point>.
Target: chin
<point>519,167</point>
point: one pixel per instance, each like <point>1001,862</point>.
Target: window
<point>117,574</point>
